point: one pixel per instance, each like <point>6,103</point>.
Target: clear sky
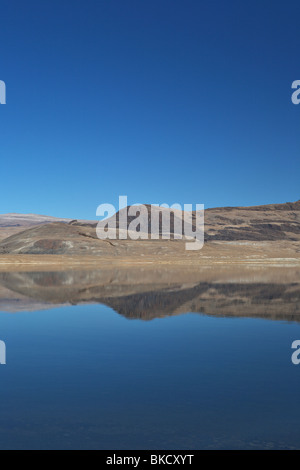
<point>165,101</point>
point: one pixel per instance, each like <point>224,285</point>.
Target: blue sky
<point>163,101</point>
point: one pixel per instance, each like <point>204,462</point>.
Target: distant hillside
<point>10,224</point>
<point>257,223</point>
<point>278,222</point>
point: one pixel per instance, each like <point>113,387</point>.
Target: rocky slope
<point>259,223</point>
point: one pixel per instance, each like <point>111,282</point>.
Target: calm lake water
<point>86,377</point>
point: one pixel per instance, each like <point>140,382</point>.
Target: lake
<point>141,360</point>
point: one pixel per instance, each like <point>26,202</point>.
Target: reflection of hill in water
<point>147,293</point>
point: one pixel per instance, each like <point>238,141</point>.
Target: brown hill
<point>273,223</point>
<point>257,223</point>
<point>10,224</point>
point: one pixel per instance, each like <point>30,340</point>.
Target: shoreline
<point>64,262</point>
<point>170,254</point>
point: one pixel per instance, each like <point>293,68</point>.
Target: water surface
<point>93,376</point>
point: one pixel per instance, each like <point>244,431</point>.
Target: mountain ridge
<point>269,223</point>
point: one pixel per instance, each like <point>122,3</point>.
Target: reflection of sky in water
<point>86,377</point>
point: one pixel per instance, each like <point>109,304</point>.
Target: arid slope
<point>263,232</point>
